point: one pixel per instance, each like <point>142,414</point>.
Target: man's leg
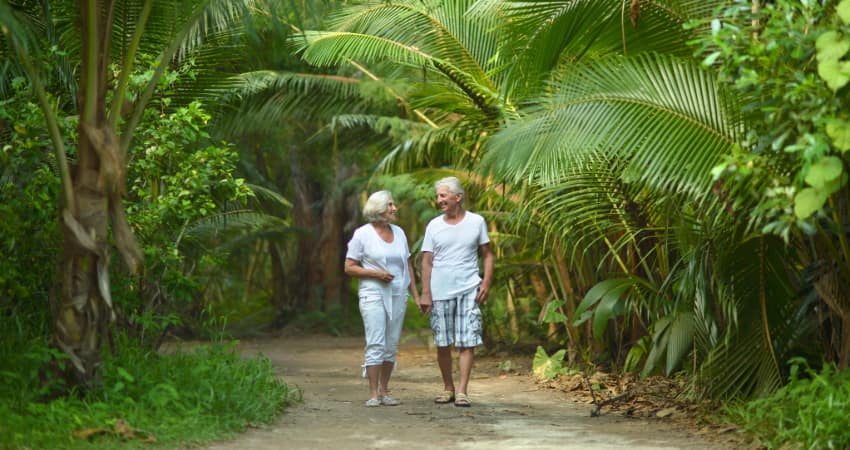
<point>442,324</point>
<point>444,360</point>
<point>466,357</point>
<point>468,336</point>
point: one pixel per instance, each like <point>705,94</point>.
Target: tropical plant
<point>107,37</point>
<point>790,175</point>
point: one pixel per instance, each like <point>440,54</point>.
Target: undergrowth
<point>812,411</point>
<point>147,399</point>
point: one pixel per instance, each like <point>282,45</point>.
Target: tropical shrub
<point>191,395</point>
<point>29,233</point>
<point>179,176</point>
<point>811,411</point>
<point>787,63</point>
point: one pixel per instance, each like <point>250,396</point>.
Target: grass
<point>147,399</point>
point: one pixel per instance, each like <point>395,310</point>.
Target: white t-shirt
<point>372,252</point>
<point>455,249</point>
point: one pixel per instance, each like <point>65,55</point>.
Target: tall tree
<point>111,34</point>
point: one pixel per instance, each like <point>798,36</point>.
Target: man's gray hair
<point>376,206</point>
<point>452,183</point>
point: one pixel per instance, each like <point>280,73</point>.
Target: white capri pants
<point>382,331</point>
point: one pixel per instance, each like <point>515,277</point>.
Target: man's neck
<point>455,216</point>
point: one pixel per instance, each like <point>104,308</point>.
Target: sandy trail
<point>508,412</point>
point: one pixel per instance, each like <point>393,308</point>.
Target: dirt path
<point>508,412</point>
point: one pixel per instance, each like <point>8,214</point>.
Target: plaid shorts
<point>457,321</point>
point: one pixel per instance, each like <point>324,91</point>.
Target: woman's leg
<point>374,323</point>
<point>394,326</point>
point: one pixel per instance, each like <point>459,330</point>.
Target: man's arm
<point>413,290</point>
<point>487,260</point>
<point>425,300</point>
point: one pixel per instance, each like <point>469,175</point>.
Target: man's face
<point>446,200</point>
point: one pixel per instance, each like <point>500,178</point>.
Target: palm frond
<point>666,117</point>
<point>759,341</point>
<point>265,99</point>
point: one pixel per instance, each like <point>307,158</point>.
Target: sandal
<point>389,400</point>
<point>462,400</point>
<point>445,397</point>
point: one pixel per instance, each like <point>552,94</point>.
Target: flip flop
<point>462,400</point>
<point>445,397</point>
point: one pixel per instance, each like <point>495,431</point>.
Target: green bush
<point>809,412</point>
<point>184,397</point>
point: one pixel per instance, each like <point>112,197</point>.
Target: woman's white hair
<point>452,183</point>
<point>376,205</point>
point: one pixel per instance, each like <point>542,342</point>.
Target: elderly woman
<point>379,256</point>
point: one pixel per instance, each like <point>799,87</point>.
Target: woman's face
<point>390,214</point>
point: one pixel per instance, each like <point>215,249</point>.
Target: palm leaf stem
<point>763,303</point>
<point>91,63</point>
<point>394,94</point>
<point>53,129</point>
<point>124,80</point>
<point>616,255</point>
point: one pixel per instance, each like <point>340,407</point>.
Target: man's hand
<point>483,292</point>
<point>425,303</point>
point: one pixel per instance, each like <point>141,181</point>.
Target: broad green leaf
<point>839,131</point>
<point>833,74</point>
<point>610,306</point>
<point>825,170</point>
<point>598,291</point>
<point>545,366</point>
<point>807,201</point>
<point>843,11</point>
<point>552,314</point>
<point>659,345</point>
<point>832,45</point>
<point>681,331</point>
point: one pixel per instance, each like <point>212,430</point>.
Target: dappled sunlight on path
<point>508,412</point>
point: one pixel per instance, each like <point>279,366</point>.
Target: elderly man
<point>451,286</point>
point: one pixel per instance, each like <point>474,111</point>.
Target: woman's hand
<point>384,276</point>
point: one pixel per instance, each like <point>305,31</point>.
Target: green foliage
<point>29,188</point>
<point>548,367</point>
<point>178,177</point>
<point>812,411</point>
<point>197,395</point>
<point>788,75</point>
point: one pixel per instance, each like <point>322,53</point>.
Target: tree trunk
<point>321,212</point>
<point>83,311</point>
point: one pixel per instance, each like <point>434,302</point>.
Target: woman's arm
<point>354,269</point>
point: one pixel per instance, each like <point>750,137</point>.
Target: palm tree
<point>110,32</point>
<point>605,127</point>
